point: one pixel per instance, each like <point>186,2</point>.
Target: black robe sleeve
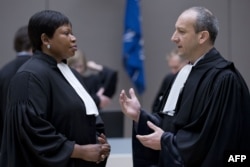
<point>27,131</point>
<point>143,156</point>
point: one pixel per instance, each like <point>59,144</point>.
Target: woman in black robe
<point>48,122</point>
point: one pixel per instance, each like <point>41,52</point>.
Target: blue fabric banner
<point>133,56</point>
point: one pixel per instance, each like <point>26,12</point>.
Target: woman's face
<point>63,43</point>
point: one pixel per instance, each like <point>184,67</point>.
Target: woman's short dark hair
<point>21,40</point>
<point>46,21</point>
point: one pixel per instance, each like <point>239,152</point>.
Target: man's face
<point>185,36</point>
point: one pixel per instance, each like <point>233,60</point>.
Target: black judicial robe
<point>6,73</point>
<point>45,118</point>
<point>212,119</point>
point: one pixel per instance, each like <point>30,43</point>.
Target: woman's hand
<point>92,152</point>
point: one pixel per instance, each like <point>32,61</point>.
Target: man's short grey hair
<point>206,21</point>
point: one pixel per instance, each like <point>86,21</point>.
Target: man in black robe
<point>23,51</point>
<point>211,118</point>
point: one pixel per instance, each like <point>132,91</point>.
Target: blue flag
<point>133,56</point>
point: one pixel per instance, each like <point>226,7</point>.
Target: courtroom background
<point>98,26</point>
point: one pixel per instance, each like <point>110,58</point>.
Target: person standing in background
<point>100,81</point>
<point>23,49</point>
<point>175,62</point>
<point>205,113</point>
<point>51,119</point>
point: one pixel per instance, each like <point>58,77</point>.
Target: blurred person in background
<point>23,49</point>
<point>100,81</point>
<point>174,62</point>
